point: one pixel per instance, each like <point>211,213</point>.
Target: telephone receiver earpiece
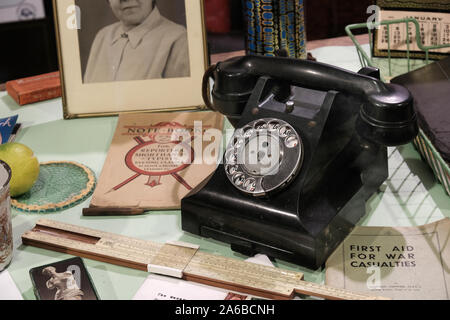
<point>386,115</point>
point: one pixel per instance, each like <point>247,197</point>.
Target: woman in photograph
<point>141,45</point>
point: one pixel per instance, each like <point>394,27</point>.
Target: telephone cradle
<point>327,129</point>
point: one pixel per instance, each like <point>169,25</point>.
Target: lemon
<point>24,167</point>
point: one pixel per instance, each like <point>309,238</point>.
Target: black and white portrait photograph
<point>133,40</point>
<point>130,55</point>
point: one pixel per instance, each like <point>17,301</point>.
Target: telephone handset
<point>308,150</point>
<point>387,109</point>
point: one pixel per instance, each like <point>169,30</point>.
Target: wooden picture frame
<point>101,76</point>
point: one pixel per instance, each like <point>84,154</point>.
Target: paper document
<point>8,290</point>
<point>406,263</point>
<point>155,159</point>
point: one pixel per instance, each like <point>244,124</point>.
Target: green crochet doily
<point>60,185</point>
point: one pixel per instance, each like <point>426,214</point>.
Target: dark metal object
<point>345,121</point>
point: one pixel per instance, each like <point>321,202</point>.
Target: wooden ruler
<point>179,260</point>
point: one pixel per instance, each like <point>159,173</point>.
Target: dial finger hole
<point>260,125</point>
<point>231,169</point>
<point>250,185</point>
<point>291,142</point>
<point>284,131</point>
<point>230,157</point>
<point>247,131</point>
<point>238,142</point>
<point>274,125</point>
<point>238,178</point>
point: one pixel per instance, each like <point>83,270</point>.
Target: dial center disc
<point>263,156</point>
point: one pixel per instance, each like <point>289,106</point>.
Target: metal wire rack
<point>392,66</point>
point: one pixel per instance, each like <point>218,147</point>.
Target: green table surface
<point>411,196</point>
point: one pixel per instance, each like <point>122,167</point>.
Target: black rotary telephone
<point>309,149</point>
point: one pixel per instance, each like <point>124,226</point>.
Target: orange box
<point>33,89</point>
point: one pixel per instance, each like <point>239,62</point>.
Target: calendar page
<point>434,29</point>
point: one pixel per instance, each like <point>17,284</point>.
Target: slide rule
<point>180,260</point>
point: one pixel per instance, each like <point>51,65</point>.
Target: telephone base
<point>308,218</point>
<point>321,226</point>
<point>308,250</point>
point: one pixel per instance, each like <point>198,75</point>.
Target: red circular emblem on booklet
<point>159,154</point>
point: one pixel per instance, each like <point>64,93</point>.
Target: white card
<point>8,290</point>
<point>164,288</point>
<point>158,287</point>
